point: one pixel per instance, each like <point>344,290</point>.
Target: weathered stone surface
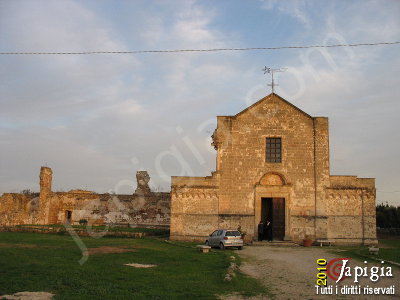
<point>143,179</point>
<point>317,205</point>
<point>145,208</point>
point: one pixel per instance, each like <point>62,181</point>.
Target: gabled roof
<point>268,97</point>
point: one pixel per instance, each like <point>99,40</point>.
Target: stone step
<point>276,243</point>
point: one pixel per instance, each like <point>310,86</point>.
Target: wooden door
<point>278,219</point>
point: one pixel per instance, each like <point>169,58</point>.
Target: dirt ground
<point>28,296</point>
<point>290,273</point>
<point>143,266</point>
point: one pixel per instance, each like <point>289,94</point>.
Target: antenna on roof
<point>271,71</point>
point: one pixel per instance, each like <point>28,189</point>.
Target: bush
<point>83,222</point>
<point>27,192</point>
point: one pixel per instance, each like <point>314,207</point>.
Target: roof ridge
<point>267,96</point>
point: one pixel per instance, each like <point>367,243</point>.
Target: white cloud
<point>127,107</point>
<point>293,8</point>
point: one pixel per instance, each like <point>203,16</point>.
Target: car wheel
<point>207,243</point>
<point>240,248</point>
<point>221,246</point>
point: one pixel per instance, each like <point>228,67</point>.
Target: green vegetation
<point>391,253</point>
<point>389,250</point>
<point>49,262</point>
<point>154,231</point>
<point>387,216</point>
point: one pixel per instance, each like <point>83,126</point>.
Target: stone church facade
<point>273,163</point>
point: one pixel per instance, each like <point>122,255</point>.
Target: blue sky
<point>96,119</point>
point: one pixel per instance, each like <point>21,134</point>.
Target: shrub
<point>83,222</point>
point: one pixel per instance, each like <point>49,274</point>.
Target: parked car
<point>223,238</point>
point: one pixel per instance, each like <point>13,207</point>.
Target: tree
<point>387,216</point>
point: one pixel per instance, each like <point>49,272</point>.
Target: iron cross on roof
<point>271,71</point>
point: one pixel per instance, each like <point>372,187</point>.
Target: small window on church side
<point>274,150</point>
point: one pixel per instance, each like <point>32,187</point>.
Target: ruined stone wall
<point>46,177</point>
<point>18,209</point>
<point>151,209</point>
<point>144,208</point>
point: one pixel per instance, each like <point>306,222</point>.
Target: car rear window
<point>232,233</point>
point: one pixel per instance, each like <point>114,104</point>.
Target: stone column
<point>46,175</point>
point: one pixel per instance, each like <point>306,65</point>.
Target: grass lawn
<point>49,263</point>
<point>389,250</point>
<point>154,231</point>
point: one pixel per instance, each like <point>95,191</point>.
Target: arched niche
<point>272,179</point>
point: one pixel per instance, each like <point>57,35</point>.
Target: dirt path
<point>290,272</point>
<point>28,296</point>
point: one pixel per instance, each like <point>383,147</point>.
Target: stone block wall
<point>143,208</point>
<point>242,161</point>
<point>351,209</point>
<point>18,209</point>
<point>194,207</point>
<point>151,209</point>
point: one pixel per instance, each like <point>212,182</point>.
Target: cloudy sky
<point>97,119</point>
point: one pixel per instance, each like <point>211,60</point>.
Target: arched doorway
<point>271,200</point>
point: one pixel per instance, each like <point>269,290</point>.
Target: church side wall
<point>351,215</point>
<point>194,209</point>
